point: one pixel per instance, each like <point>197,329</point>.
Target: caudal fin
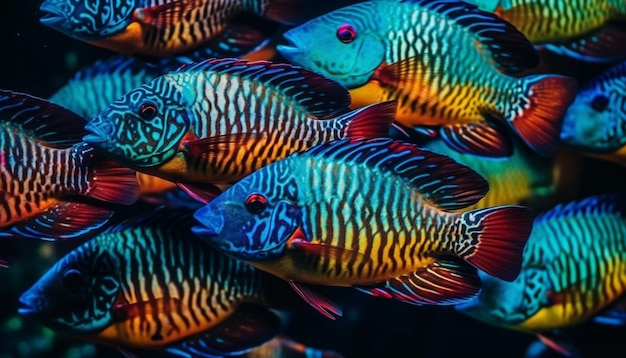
<point>500,236</point>
<point>373,121</point>
<point>538,115</point>
<point>110,182</point>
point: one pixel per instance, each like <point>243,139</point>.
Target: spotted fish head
<point>88,20</point>
<point>595,121</point>
<point>253,220</point>
<point>77,295</point>
<point>345,45</point>
<point>144,128</point>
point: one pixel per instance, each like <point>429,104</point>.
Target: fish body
<point>369,213</point>
<point>595,122</point>
<point>587,30</point>
<point>45,169</point>
<point>574,266</point>
<point>447,64</point>
<point>148,283</point>
<point>168,27</point>
<point>218,120</point>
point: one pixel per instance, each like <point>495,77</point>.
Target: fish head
<point>595,121</point>
<point>143,128</point>
<point>344,45</point>
<point>503,303</point>
<point>252,220</point>
<point>76,295</point>
<point>87,20</point>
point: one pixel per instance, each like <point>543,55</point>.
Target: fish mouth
<point>26,308</point>
<point>52,15</point>
<point>211,224</point>
<point>96,135</point>
<point>290,50</point>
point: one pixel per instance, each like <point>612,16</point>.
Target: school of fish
<point>261,158</point>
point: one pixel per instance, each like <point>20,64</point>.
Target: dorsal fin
<point>439,178</point>
<point>510,49</point>
<point>608,203</point>
<point>320,95</point>
<point>44,120</point>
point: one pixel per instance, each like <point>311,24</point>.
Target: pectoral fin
<point>322,304</point>
<point>478,138</point>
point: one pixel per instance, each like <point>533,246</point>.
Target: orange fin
<point>114,183</point>
<point>165,14</point>
<point>560,345</point>
<point>500,235</point>
<point>322,304</point>
<point>538,115</point>
<point>321,250</point>
<point>202,192</point>
<point>405,76</point>
<point>441,283</point>
<point>478,138</point>
<point>219,144</point>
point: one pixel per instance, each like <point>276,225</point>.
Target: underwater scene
<point>300,178</point>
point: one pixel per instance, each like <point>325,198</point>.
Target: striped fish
<point>148,283</point>
<point>47,173</point>
<point>374,214</point>
<point>595,123</point>
<point>587,30</point>
<point>216,121</point>
<point>574,266</point>
<point>164,28</point>
<point>448,65</point>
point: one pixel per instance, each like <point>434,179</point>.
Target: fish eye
<point>148,110</point>
<point>346,33</point>
<point>256,203</point>
<point>600,103</point>
<point>72,278</point>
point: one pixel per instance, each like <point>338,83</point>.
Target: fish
<point>448,64</point>
<point>170,27</point>
<point>369,213</point>
<point>215,121</point>
<point>282,346</point>
<point>595,122</point>
<point>525,178</point>
<point>589,30</point>
<point>148,283</point>
<point>99,84</point>
<point>53,186</point>
<point>572,269</point>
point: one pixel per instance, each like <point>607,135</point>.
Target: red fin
<point>165,14</point>
<point>63,220</point>
<point>498,235</point>
<point>114,183</point>
<point>559,345</point>
<point>442,283</point>
<point>372,121</point>
<point>218,144</point>
<point>539,114</point>
<point>604,45</point>
<point>477,138</point>
<point>332,252</point>
<point>322,304</point>
<point>203,192</point>
<point>288,12</point>
<point>4,263</point>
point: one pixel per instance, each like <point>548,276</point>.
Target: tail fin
<point>501,233</point>
<point>110,182</point>
<point>373,121</point>
<point>538,115</point>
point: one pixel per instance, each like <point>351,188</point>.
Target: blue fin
<point>608,203</point>
<point>321,96</point>
<point>603,46</point>
<point>510,49</point>
<point>56,126</point>
<point>439,178</point>
<point>247,328</point>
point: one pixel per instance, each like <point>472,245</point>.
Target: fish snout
<point>211,223</point>
<point>54,12</point>
<point>99,132</point>
<point>30,304</point>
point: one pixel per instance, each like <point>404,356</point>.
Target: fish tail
<point>495,239</point>
<point>538,114</point>
<point>289,12</point>
<point>373,121</point>
<point>110,181</point>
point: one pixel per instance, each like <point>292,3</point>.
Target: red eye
<point>148,110</point>
<point>346,33</point>
<point>256,203</point>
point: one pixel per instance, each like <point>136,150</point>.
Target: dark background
<point>37,60</point>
